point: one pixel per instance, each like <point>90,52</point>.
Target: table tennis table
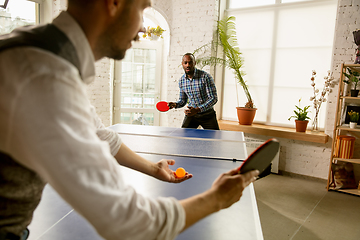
<point>204,153</point>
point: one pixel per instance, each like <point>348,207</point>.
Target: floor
<point>295,208</point>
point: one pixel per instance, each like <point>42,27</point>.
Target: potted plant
<point>153,33</point>
<point>227,40</point>
<point>301,116</point>
<point>353,77</point>
<point>354,118</point>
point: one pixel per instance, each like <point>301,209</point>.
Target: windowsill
<point>273,131</point>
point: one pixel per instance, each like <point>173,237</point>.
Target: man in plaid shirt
<point>197,88</point>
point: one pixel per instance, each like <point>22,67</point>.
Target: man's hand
<point>191,111</point>
<point>164,173</point>
<point>225,191</point>
<point>171,105</point>
<point>228,187</point>
<point>160,170</point>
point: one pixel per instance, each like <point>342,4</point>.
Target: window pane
<point>297,74</point>
<point>247,3</point>
<point>257,34</point>
<point>138,74</point>
<point>314,30</point>
<point>255,41</point>
<point>283,104</point>
<point>137,118</point>
<point>17,13</point>
<point>290,1</point>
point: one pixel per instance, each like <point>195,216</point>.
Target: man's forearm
<point>128,158</point>
<point>226,190</point>
<point>198,207</point>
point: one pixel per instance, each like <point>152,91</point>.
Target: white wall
<point>192,24</point>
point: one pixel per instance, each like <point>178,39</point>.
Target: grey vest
<point>21,188</point>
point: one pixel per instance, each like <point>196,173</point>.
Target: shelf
<point>355,67</point>
<point>351,160</point>
<point>342,103</point>
<point>350,98</point>
<point>349,191</point>
<point>282,132</point>
<point>347,128</point>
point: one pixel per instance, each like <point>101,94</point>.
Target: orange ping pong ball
<point>180,172</point>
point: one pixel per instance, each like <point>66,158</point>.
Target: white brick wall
<point>191,25</point>
<point>58,6</point>
<point>100,91</point>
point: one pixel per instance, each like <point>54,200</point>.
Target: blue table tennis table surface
<point>204,153</point>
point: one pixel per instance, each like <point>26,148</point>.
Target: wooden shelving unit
<point>341,129</point>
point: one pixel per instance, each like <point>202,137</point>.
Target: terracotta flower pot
<point>246,115</point>
<point>301,125</point>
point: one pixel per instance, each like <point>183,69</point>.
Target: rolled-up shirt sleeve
<point>106,134</point>
<point>52,131</point>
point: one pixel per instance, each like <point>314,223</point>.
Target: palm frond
<point>227,39</point>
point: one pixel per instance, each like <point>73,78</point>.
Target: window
<point>18,13</point>
<point>281,45</point>
<point>137,84</point>
<point>138,77</point>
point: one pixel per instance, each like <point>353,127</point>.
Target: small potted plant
<point>301,116</point>
<point>153,33</point>
<point>354,118</point>
<point>353,77</point>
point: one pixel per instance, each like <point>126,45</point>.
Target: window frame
<point>274,7</point>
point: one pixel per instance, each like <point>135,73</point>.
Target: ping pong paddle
<point>261,158</point>
<point>162,106</point>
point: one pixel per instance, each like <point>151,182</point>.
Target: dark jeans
<point>11,236</point>
<point>205,119</point>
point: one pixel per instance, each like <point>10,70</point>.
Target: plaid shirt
<point>199,91</point>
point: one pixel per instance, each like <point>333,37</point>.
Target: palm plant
<point>226,32</point>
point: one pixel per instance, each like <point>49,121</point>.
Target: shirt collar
<point>67,24</point>
<point>195,71</point>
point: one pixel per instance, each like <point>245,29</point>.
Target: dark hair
<point>189,54</point>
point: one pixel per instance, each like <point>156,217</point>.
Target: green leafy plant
<point>301,113</point>
<point>354,116</point>
<point>227,40</point>
<point>158,31</point>
<point>353,77</point>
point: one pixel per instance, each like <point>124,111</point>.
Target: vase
<point>356,35</point>
<point>246,115</point>
<point>353,124</point>
<point>346,90</point>
<point>154,37</point>
<point>315,127</point>
<point>301,125</point>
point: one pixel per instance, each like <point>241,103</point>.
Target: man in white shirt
<point>50,133</point>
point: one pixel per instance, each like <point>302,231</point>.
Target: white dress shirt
<point>48,125</point>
